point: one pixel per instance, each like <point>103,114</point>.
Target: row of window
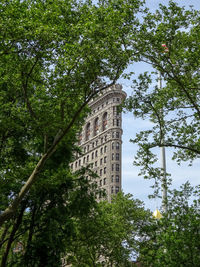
<point>115,135</point>
<point>114,189</point>
<point>102,106</point>
<point>96,127</point>
<point>115,179</point>
<point>117,122</point>
<point>103,182</point>
<point>102,140</point>
<point>102,160</point>
<point>93,144</point>
<point>107,102</point>
<point>102,171</point>
<point>115,167</point>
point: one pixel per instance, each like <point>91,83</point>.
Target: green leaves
<point>173,109</point>
<point>174,239</point>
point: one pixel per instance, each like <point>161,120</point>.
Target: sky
<point>131,182</point>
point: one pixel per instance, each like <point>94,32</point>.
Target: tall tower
<point>101,142</point>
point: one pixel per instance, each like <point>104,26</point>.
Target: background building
<point>101,142</point>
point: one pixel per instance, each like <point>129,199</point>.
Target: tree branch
<point>10,211</point>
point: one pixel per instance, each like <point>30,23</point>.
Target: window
<point>84,149</point>
<point>113,156</point>
<point>96,153</point>
<point>117,134</point>
<point>105,149</point>
<point>112,190</point>
<point>93,145</point>
<point>95,165</point>
<point>112,178</point>
<point>71,166</point>
<point>105,122</point>
<point>105,159</point>
<point>112,167</point>
<point>87,134</point>
<point>76,164</point>
<point>96,126</point>
<point>96,142</point>
<point>117,179</point>
<point>101,172</point>
<point>118,99</point>
<point>101,150</point>
<point>92,155</point>
<point>87,158</point>
<point>116,189</point>
<point>101,161</point>
<point>104,181</point>
<point>84,160</point>
<point>100,183</point>
<point>117,145</point>
<point>113,122</point>
<point>101,140</point>
<point>113,99</point>
<point>79,162</point>
<point>104,171</point>
<point>105,138</point>
<point>118,122</point>
<point>113,145</point>
<point>113,134</point>
<point>117,167</point>
<point>88,148</point>
<point>117,156</point>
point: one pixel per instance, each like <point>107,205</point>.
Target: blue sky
<point>131,182</point>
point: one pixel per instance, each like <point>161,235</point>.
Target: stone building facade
<point>101,140</point>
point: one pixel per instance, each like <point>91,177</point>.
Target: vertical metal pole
<point>163,161</point>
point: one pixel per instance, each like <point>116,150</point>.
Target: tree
<point>55,57</point>
<point>168,40</point>
<point>174,239</point>
<point>109,235</point>
<point>44,221</point>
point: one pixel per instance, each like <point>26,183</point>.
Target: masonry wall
<point>101,140</point>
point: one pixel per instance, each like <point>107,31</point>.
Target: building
<point>101,141</point>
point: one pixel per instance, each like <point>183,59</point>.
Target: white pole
<point>163,161</point>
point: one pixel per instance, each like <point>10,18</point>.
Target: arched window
<point>87,135</point>
<point>117,178</point>
<point>117,167</point>
<point>96,126</point>
<point>112,190</point>
<point>113,145</point>
<point>117,156</point>
<point>105,121</point>
<point>117,145</point>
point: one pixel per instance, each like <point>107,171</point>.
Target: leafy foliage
<point>168,39</point>
<point>174,239</point>
<point>109,235</point>
<point>55,57</point>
